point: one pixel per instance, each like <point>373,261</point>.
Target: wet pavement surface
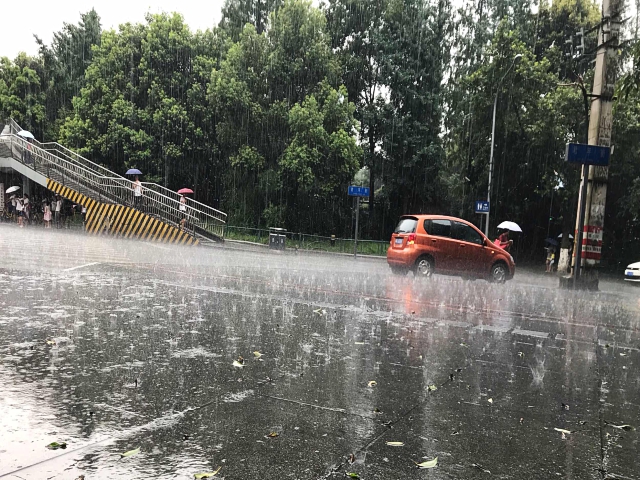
<point>110,346</point>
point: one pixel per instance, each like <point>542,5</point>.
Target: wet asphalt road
<point>111,346</point>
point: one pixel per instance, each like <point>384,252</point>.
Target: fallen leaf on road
<point>479,467</point>
<point>51,342</point>
<point>395,444</point>
<point>56,445</point>
<point>198,476</point>
<point>130,453</point>
<point>352,458</point>
<point>432,388</point>
<point>429,464</point>
<point>237,364</point>
<point>257,354</point>
<point>563,431</point>
<point>273,435</point>
<point>372,383</point>
<point>621,427</point>
<point>353,475</point>
<point>319,311</point>
<point>490,400</point>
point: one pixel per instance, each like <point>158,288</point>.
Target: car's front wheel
<point>424,267</point>
<point>498,273</point>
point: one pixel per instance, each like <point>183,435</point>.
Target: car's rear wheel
<point>424,267</point>
<point>499,273</point>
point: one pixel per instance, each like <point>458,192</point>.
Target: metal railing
<point>306,241</point>
<point>108,189</point>
<point>156,200</point>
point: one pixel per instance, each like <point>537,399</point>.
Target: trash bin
<point>277,238</point>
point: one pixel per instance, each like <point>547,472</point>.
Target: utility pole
<point>594,178</point>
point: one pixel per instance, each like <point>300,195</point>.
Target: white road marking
<point>80,266</point>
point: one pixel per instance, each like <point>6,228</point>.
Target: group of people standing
<point>21,208</point>
<point>26,212</point>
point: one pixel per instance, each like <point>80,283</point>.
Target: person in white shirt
<point>58,210</point>
<point>183,212</point>
<point>19,212</point>
<point>26,208</point>
<point>137,193</point>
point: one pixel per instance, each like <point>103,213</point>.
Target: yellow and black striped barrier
<point>120,221</point>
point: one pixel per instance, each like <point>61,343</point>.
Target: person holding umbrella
<point>183,206</point>
<point>137,187</point>
<point>503,240</point>
<point>14,201</point>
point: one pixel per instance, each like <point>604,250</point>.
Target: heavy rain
<point>387,239</point>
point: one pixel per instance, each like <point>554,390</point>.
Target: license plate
<point>399,241</point>
<point>629,274</point>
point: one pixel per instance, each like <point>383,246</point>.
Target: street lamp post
<point>493,134</point>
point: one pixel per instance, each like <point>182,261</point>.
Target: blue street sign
<point>358,191</point>
<point>588,154</point>
<point>482,206</point>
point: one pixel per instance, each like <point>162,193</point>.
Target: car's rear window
<point>407,225</point>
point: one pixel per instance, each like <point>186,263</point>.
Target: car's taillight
<point>411,239</point>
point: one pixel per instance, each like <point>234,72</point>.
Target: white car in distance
<point>632,273</point>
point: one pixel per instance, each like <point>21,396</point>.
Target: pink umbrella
<point>183,191</point>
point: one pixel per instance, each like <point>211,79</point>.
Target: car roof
<point>435,217</point>
<point>422,216</point>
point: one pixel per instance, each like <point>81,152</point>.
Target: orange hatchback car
<point>433,243</point>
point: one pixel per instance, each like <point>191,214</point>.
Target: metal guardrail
<point>306,241</point>
<point>157,200</point>
<point>107,189</point>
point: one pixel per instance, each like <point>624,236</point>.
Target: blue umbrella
<point>134,171</point>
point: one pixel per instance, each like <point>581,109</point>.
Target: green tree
<point>238,13</point>
<point>284,125</point>
<point>21,94</point>
<point>65,63</point>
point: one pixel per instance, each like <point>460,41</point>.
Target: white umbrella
<point>514,227</point>
<point>13,189</point>
<point>26,134</point>
<point>570,236</point>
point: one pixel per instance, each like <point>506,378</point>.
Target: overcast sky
<point>21,20</point>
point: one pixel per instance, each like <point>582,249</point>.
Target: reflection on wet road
<point>303,366</point>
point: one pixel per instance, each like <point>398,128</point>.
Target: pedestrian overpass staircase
<point>107,196</point>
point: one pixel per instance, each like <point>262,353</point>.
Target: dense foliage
<point>274,112</point>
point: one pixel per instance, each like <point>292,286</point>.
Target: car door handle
<point>433,241</point>
<point>461,245</point>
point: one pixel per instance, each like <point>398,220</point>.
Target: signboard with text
<point>358,191</point>
<point>588,154</point>
<point>481,206</point>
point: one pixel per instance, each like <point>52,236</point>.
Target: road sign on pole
<point>482,206</point>
<point>358,191</point>
<point>587,154</point>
